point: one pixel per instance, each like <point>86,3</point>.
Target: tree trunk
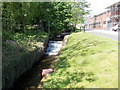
<point>41,27</point>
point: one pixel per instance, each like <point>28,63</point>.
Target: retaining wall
<point>13,69</point>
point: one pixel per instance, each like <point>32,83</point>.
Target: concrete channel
<point>32,78</point>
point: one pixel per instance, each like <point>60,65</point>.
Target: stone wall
<point>13,69</point>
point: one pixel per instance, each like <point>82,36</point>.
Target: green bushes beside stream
<point>23,46</point>
<point>19,56</point>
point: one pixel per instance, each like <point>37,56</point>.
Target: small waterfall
<point>53,47</point>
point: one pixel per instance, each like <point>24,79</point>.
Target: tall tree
<point>51,17</point>
<point>78,10</point>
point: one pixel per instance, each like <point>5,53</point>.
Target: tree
<point>51,17</point>
<point>78,10</point>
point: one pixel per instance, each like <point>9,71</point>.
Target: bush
<point>17,59</point>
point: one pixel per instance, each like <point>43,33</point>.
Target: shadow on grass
<point>62,63</point>
<point>70,80</point>
<point>63,77</point>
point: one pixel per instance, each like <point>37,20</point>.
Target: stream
<point>32,78</point>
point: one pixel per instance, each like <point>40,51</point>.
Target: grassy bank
<point>20,52</point>
<point>87,61</point>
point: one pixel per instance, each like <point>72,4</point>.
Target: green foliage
<point>78,10</point>
<point>20,20</point>
<point>87,61</point>
<point>19,57</point>
<point>50,17</point>
<point>29,38</point>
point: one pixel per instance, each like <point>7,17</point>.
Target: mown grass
<point>87,61</point>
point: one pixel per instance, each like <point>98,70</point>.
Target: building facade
<point>115,13</point>
<point>105,20</point>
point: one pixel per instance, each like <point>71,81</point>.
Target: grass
<point>87,61</point>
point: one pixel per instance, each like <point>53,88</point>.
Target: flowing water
<point>32,78</point>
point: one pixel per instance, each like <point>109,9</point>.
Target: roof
<point>113,4</point>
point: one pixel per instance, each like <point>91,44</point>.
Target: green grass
<point>87,61</point>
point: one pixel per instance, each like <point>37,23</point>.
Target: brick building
<point>115,13</point>
<point>106,19</point>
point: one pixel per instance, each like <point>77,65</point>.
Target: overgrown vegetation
<point>23,42</point>
<point>87,61</point>
<point>26,26</point>
<point>19,56</point>
<point>50,17</point>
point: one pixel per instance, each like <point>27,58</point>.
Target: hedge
<point>12,69</point>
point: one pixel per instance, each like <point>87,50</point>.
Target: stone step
<point>51,53</point>
<point>54,47</point>
<point>55,41</point>
<point>54,44</point>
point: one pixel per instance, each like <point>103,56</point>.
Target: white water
<point>54,47</point>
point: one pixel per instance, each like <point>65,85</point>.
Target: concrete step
<point>51,53</point>
<point>60,42</point>
<point>53,47</point>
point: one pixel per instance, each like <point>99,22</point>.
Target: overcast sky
<point>97,6</point>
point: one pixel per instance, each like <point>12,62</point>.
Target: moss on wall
<point>20,63</point>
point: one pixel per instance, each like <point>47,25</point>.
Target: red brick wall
<point>101,21</point>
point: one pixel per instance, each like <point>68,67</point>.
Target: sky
<point>97,6</point>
